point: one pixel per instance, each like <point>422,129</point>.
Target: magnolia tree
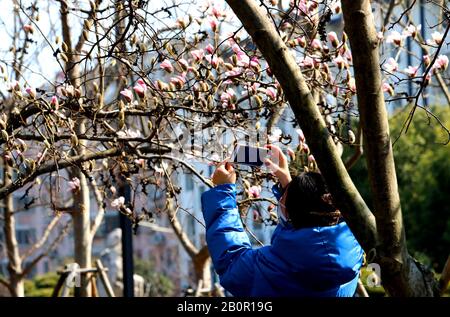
<point>101,96</point>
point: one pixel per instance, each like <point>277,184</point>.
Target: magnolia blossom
<point>333,38</point>
<point>436,38</point>
<point>54,102</point>
<point>340,62</point>
<point>213,24</point>
<point>352,85</point>
<point>388,88</point>
<point>28,28</point>
<point>441,63</point>
<point>209,48</point>
<point>167,66</point>
<point>31,92</point>
<point>301,41</point>
<point>118,202</point>
<point>198,54</point>
<point>291,153</point>
<point>411,71</point>
<point>305,148</point>
<point>306,62</point>
<point>301,136</point>
<point>271,93</point>
<point>391,65</point>
<point>213,60</point>
<point>129,133</point>
<point>140,88</point>
<point>395,37</point>
<point>179,80</point>
<point>218,13</point>
<point>74,184</point>
<point>127,94</point>
<point>183,63</point>
<point>227,97</point>
<point>311,158</point>
<point>255,191</point>
<point>426,60</point>
<point>316,44</point>
<point>411,30</point>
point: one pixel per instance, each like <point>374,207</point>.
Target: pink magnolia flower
<point>306,62</point>
<point>436,38</point>
<point>167,66</point>
<point>140,88</point>
<point>332,37</point>
<point>213,24</point>
<point>179,80</point>
<point>411,30</point>
<point>255,191</point>
<point>391,65</point>
<point>301,41</point>
<point>209,48</point>
<point>31,92</point>
<point>441,63</point>
<point>311,158</point>
<point>213,60</point>
<point>426,60</point>
<point>305,148</point>
<point>127,94</point>
<point>197,54</point>
<point>74,184</point>
<point>352,85</point>
<point>271,93</point>
<point>301,136</point>
<point>395,37</point>
<point>28,28</point>
<point>316,44</point>
<point>183,63</point>
<point>227,97</point>
<point>54,102</point>
<point>411,71</point>
<point>291,153</point>
<point>388,88</point>
<point>340,62</point>
<point>218,13</point>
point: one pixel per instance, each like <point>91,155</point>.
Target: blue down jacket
<point>312,262</point>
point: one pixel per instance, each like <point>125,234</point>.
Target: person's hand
<point>224,174</point>
<point>278,165</point>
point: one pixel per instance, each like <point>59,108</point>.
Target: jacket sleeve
<point>228,243</point>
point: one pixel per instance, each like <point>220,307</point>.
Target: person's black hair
<point>308,202</point>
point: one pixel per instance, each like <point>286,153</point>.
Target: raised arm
<point>228,244</point>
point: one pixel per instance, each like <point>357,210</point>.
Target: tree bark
<point>16,285</point>
<point>81,210</point>
<point>284,67</point>
<point>399,273</point>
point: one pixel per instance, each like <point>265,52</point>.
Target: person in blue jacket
<point>312,253</point>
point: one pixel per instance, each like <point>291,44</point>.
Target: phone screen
<point>249,155</point>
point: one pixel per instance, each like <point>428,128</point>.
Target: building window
<point>26,236</point>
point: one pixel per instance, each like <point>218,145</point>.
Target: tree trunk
<point>400,274</point>
<point>81,210</point>
<point>202,263</point>
<point>82,236</point>
<point>16,285</point>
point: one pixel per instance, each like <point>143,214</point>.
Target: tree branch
<point>44,237</point>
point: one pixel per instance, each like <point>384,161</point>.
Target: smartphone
<point>249,155</point>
